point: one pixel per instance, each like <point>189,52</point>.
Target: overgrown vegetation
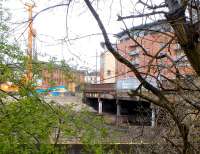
<point>28,124</point>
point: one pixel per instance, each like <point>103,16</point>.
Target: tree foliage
<point>29,124</point>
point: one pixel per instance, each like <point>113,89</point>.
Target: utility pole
<point>96,66</point>
<point>34,50</point>
<point>30,41</point>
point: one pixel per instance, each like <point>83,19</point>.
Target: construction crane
<point>31,33</point>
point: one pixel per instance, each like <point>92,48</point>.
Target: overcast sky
<point>51,29</point>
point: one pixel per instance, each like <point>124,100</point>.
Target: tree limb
<point>151,6</point>
<point>140,15</point>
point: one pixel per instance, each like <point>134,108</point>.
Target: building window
<point>162,45</point>
<point>124,38</point>
<point>108,72</point>
<point>134,51</point>
<point>135,60</point>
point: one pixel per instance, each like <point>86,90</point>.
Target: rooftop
<point>157,26</point>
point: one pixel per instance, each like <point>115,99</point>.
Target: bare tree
<point>180,98</point>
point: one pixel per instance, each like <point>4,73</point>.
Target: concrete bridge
<point>106,98</point>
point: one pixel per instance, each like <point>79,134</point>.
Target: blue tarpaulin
<point>40,91</point>
<point>54,93</point>
<point>56,88</point>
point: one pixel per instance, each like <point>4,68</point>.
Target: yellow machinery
<point>8,87</point>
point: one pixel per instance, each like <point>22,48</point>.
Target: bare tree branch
<point>140,15</point>
<point>151,6</point>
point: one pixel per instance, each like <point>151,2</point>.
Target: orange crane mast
<point>9,87</point>
<point>30,42</point>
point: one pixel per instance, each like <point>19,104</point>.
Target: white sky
<point>51,29</point>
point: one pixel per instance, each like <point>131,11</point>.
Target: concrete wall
<point>107,68</point>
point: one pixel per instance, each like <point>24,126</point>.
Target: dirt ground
<point>76,101</point>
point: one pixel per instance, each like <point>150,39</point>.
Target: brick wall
<point>152,43</point>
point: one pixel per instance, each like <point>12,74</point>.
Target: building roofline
<point>141,27</point>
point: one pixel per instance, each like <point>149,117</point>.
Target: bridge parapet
<point>100,88</point>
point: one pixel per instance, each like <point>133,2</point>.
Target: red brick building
<point>152,43</point>
<point>58,76</point>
